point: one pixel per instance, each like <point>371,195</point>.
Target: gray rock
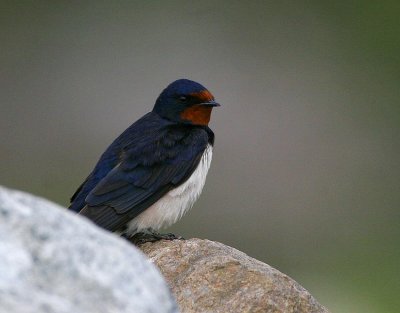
<point>208,276</point>
<point>54,261</point>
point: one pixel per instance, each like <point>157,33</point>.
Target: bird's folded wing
<point>140,179</point>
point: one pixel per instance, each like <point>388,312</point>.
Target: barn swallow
<point>152,174</point>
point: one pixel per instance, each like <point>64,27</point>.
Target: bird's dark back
<point>146,132</point>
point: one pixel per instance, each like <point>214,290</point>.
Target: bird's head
<point>185,101</point>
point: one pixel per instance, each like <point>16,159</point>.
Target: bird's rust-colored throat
<point>197,114</point>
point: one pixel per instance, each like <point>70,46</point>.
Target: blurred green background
<point>306,169</point>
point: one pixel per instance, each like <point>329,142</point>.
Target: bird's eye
<point>182,99</point>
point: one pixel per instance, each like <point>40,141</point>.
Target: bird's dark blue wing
<point>148,168</point>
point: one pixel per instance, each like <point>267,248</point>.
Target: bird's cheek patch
<point>197,114</point>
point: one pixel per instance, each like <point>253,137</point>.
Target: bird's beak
<point>210,103</point>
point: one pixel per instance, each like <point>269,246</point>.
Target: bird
<point>152,173</point>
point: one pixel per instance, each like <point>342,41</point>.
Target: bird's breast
<point>173,205</point>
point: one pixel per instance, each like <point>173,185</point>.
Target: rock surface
<point>207,276</point>
<point>54,261</point>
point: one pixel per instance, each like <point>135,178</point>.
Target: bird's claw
<point>143,237</point>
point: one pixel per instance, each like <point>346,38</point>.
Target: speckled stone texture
<point>53,261</point>
<point>207,276</point>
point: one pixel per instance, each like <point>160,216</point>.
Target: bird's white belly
<point>172,206</point>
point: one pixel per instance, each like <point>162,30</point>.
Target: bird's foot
<point>151,236</point>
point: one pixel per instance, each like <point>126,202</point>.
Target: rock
<point>54,261</point>
<point>207,276</point>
